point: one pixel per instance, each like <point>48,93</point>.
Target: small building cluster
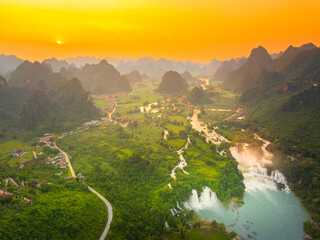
<point>123,119</point>
<point>17,152</point>
<point>47,140</point>
<point>58,160</point>
<point>36,160</point>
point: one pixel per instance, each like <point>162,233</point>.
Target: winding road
<point>110,215</point>
<point>106,202</point>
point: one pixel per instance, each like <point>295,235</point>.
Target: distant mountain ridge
<point>247,75</point>
<point>58,64</point>
<point>134,76</point>
<point>227,67</point>
<point>295,91</point>
<point>243,77</point>
<point>188,76</point>
<point>290,54</point>
<point>99,78</point>
<point>35,75</point>
<point>37,99</point>
<point>9,63</point>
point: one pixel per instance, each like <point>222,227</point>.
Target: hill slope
<point>244,77</point>
<point>99,78</point>
<point>172,83</point>
<point>33,75</point>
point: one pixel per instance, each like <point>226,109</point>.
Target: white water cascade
<point>267,213</point>
<point>207,199</point>
<point>252,166</point>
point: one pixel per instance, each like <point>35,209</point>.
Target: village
<point>45,152</point>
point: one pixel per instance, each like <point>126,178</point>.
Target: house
<point>47,135</point>
<point>36,160</point>
<point>17,152</point>
<point>46,139</point>
<point>68,177</point>
<point>62,165</point>
<point>3,193</point>
<point>81,177</point>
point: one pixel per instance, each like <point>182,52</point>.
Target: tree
<point>182,230</point>
<point>214,224</point>
<point>221,227</point>
<point>196,221</point>
<point>233,234</point>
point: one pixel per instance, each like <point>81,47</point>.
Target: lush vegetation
<point>131,166</point>
<point>59,208</point>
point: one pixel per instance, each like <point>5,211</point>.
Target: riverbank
<point>261,194</point>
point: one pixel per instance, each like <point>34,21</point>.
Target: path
<point>239,114</point>
<point>110,215</point>
<point>109,206</point>
<point>114,109</point>
<point>67,160</point>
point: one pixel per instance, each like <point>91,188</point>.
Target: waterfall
<point>207,199</point>
<point>173,213</point>
<point>194,200</point>
<point>278,177</point>
<point>178,206</point>
<point>257,178</point>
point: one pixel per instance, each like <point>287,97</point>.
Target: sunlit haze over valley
<point>160,120</point>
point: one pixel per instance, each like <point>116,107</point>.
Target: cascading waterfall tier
<point>207,199</point>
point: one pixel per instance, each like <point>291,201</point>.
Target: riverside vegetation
<point>131,166</point>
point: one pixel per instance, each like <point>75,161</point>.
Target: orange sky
<point>178,29</point>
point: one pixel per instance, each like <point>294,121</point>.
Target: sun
<point>59,42</point>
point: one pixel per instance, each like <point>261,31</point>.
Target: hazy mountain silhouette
<point>226,68</point>
<point>30,75</point>
<point>9,63</point>
<point>290,54</point>
<point>99,78</point>
<point>275,56</point>
<point>243,77</point>
<point>134,76</point>
<point>3,81</point>
<point>188,77</point>
<point>212,66</point>
<point>81,61</point>
<point>157,67</point>
<point>58,64</point>
<point>172,83</point>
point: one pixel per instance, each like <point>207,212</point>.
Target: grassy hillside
<point>60,209</point>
